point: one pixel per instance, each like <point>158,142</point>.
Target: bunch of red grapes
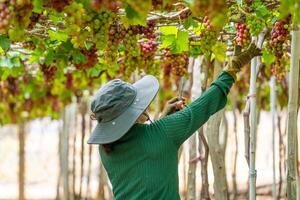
<point>279,36</point>
<point>49,72</point>
<point>243,36</point>
<point>160,4</point>
<point>148,49</point>
<point>57,5</point>
<point>178,63</point>
<point>6,14</point>
<point>69,81</point>
<point>147,31</point>
<point>12,85</point>
<point>106,4</point>
<point>91,59</point>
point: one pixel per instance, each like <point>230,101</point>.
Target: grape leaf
<point>133,17</point>
<point>6,62</point>
<point>182,42</point>
<point>219,51</point>
<point>56,17</point>
<point>189,22</point>
<point>58,35</point>
<point>267,57</point>
<point>168,30</point>
<point>4,42</point>
<point>37,6</point>
<point>78,57</point>
<point>49,57</point>
<point>168,40</point>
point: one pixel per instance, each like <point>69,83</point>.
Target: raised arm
<point>181,125</point>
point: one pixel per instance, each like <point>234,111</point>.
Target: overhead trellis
<point>55,51</point>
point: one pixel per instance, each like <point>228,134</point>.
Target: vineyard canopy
<point>53,52</point>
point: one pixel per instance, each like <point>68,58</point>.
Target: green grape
<point>132,51</point>
<point>208,37</point>
<point>255,25</point>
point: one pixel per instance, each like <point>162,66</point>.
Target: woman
<point>141,159</point>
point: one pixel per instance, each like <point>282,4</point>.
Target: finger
<point>237,50</point>
<point>179,105</point>
<point>173,100</point>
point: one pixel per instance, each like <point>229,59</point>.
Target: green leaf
<point>56,17</point>
<point>37,6</point>
<point>267,57</point>
<point>4,42</point>
<point>189,22</point>
<point>168,40</point>
<point>6,62</point>
<point>137,11</point>
<point>168,30</point>
<point>36,55</point>
<point>49,57</point>
<point>78,57</point>
<point>133,17</point>
<point>219,51</point>
<point>58,35</point>
<point>182,42</point>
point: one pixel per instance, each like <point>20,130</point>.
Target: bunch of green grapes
<point>76,23</point>
<point>132,51</point>
<point>115,36</point>
<point>254,24</point>
<point>100,26</point>
<point>208,37</point>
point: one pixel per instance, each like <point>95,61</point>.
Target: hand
<point>173,105</point>
<point>240,59</point>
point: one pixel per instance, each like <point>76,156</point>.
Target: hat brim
<point>108,132</point>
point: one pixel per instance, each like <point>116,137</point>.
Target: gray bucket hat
<point>117,105</point>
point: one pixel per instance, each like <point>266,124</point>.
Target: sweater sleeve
<point>181,125</point>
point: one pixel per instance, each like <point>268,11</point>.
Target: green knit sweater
<point>144,163</point>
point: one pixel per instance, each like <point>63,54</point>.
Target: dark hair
<point>108,147</point>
